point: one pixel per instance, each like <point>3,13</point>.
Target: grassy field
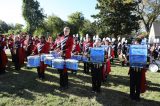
<point>23,88</point>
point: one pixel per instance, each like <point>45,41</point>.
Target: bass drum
<point>153,68</point>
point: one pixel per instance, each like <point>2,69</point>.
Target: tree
<point>3,27</point>
<point>75,22</point>
<point>117,17</point>
<point>54,24</point>
<point>18,26</point>
<point>149,11</point>
<point>32,14</point>
<point>88,28</point>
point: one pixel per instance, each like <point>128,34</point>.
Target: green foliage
<point>33,15</point>
<point>54,25</point>
<point>3,27</point>
<point>39,31</point>
<point>88,28</point>
<point>149,11</point>
<point>117,18</point>
<point>75,22</point>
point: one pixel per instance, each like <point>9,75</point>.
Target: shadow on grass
<point>112,97</point>
<point>23,84</point>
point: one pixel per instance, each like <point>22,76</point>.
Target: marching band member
<point>124,53</point>
<point>115,44</point>
<point>10,45</point>
<point>137,79</point>
<point>86,45</point>
<point>56,45</point>
<point>107,67</point>
<point>3,56</point>
<point>31,49</point>
<point>76,47</point>
<point>66,50</point>
<point>37,40</point>
<point>43,48</point>
<point>18,53</point>
<point>96,71</point>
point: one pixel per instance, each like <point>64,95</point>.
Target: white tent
<point>154,33</point>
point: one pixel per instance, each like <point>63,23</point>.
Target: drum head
<point>49,58</point>
<point>71,60</point>
<point>153,68</point>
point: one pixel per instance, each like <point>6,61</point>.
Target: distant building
<point>154,34</point>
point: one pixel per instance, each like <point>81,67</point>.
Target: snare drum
<point>48,60</point>
<point>77,57</point>
<point>58,63</point>
<point>54,54</point>
<point>84,59</point>
<point>33,61</point>
<point>71,64</point>
<point>43,56</point>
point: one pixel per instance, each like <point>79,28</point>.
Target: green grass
<point>23,88</point>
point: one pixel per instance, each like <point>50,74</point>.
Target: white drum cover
<point>153,68</point>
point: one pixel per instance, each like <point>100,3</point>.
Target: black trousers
<point>86,67</point>
<point>16,61</point>
<point>40,74</point>
<point>135,82</point>
<point>96,72</point>
<point>63,78</point>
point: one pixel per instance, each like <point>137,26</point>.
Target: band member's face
<point>66,32</point>
<point>136,43</point>
<point>88,39</point>
<point>42,40</point>
<point>17,39</point>
<point>106,43</point>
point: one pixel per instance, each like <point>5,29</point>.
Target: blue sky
<point>10,10</point>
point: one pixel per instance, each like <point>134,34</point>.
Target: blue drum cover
<point>77,57</point>
<point>138,55</point>
<point>105,47</point>
<point>43,56</point>
<point>58,63</point>
<point>48,60</point>
<point>54,54</point>
<point>84,59</point>
<point>97,55</point>
<point>71,64</point>
<point>33,61</point>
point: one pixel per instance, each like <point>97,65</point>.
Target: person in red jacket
<point>31,47</point>
<point>66,50</point>
<point>76,47</point>
<point>3,56</point>
<point>18,53</point>
<point>43,48</point>
<point>57,43</point>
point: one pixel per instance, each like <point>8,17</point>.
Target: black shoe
<point>132,97</point>
<point>2,72</point>
<point>63,88</point>
<point>98,90</point>
<point>137,98</point>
